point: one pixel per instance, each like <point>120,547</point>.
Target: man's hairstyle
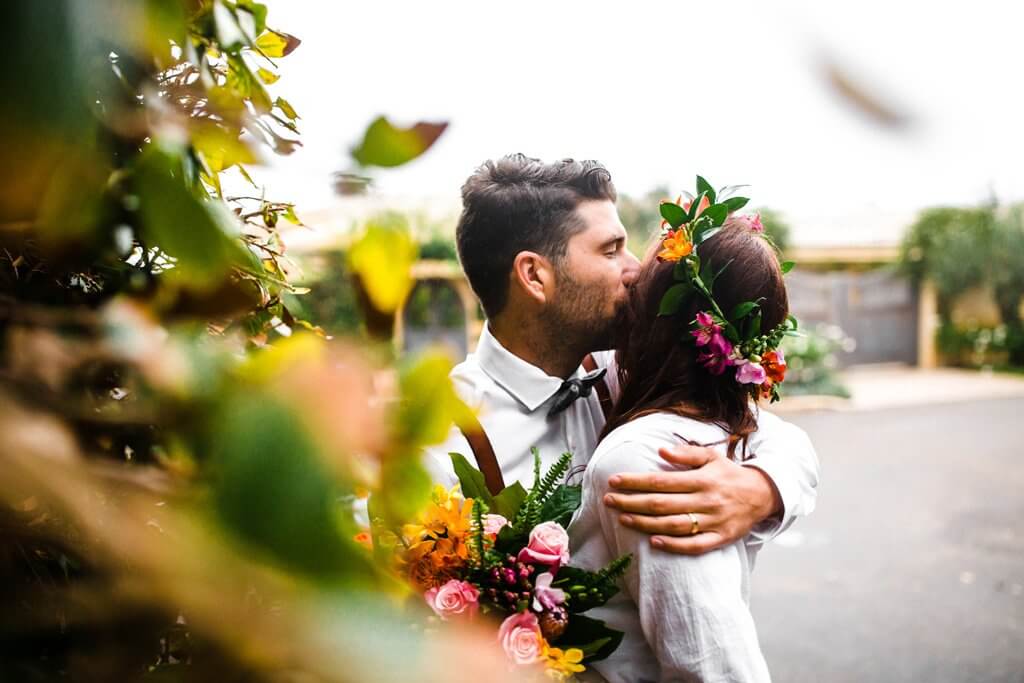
<point>516,204</point>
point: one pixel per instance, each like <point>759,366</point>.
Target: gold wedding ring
<point>695,529</point>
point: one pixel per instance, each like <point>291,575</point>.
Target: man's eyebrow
<point>613,241</point>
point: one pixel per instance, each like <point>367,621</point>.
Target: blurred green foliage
<point>961,248</point>
<point>184,453</point>
<point>812,360</point>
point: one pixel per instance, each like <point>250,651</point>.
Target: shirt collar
<point>527,383</point>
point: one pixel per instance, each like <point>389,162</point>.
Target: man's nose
<point>631,269</point>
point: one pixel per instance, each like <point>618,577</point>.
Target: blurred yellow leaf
<point>382,258</point>
<point>276,43</point>
<point>284,354</point>
<point>429,404</point>
<point>267,76</point>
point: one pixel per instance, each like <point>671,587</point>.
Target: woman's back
<point>685,618</point>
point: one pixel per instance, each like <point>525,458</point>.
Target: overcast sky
<point>659,91</point>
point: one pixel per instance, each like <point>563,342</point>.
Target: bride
<point>696,351</point>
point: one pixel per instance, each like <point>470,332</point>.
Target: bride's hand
<point>724,498</point>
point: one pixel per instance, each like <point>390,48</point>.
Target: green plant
<point>812,360</point>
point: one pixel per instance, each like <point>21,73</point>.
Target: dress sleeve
<point>784,452</point>
<point>693,610</point>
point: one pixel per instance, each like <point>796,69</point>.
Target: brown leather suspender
<point>483,451</point>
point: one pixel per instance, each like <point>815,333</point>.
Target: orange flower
<point>675,246</point>
<point>704,203</point>
<point>774,364</point>
<point>364,539</point>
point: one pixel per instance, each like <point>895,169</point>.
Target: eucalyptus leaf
<point>673,213</point>
<point>728,191</point>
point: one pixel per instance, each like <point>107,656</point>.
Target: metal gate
<point>877,308</point>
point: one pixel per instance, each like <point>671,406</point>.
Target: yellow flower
<point>675,246</point>
<point>447,514</point>
<point>561,665</point>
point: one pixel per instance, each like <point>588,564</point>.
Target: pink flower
<point>454,600</point>
<point>708,329</point>
<point>549,545</point>
<point>521,639</point>
<point>748,372</point>
<point>493,524</point>
<point>544,596</point>
<point>716,357</point>
<point>755,223</point>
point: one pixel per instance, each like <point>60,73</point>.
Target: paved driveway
<point>912,567</point>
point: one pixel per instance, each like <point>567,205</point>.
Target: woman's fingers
<point>659,503</point>
<point>670,525</point>
<point>689,545</point>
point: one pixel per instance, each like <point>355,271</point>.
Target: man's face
<point>592,279</point>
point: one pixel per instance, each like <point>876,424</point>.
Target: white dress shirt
<point>684,618</point>
<point>512,398</point>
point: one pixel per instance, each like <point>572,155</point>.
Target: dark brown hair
<point>516,204</point>
<point>657,359</point>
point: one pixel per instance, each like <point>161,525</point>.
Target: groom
<point>545,252</point>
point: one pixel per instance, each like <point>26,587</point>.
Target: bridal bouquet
<point>506,558</point>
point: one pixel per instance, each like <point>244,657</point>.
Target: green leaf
<point>743,309</point>
<point>735,203</point>
<point>694,205</point>
<point>508,502</point>
<point>264,459</point>
<point>755,326</point>
<point>673,298</point>
<point>787,266</point>
<point>471,480</point>
<point>704,187</point>
<point>673,213</point>
<point>592,636</point>
<point>709,276</point>
<point>259,13</point>
<point>277,43</point>
<point>731,333</point>
<point>200,234</point>
<point>382,257</point>
<point>793,321</point>
<point>429,404</point>
<point>717,213</point>
<point>387,146</point>
<point>561,505</point>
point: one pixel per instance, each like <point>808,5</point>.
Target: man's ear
<point>533,275</point>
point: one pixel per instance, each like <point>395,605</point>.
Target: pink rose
<point>454,600</point>
<point>748,372</point>
<point>544,596</point>
<point>521,639</point>
<point>493,524</point>
<point>549,545</point>
<point>755,223</point>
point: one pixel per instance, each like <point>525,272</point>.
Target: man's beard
<point>578,317</point>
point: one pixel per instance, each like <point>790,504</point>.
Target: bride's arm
<point>692,610</point>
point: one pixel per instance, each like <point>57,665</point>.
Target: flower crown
<point>734,342</point>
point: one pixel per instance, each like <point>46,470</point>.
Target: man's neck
<point>538,345</point>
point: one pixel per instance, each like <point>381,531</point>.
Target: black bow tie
<point>573,389</point>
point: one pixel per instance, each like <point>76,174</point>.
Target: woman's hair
<point>656,357</point>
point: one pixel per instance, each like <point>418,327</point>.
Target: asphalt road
<point>912,566</point>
